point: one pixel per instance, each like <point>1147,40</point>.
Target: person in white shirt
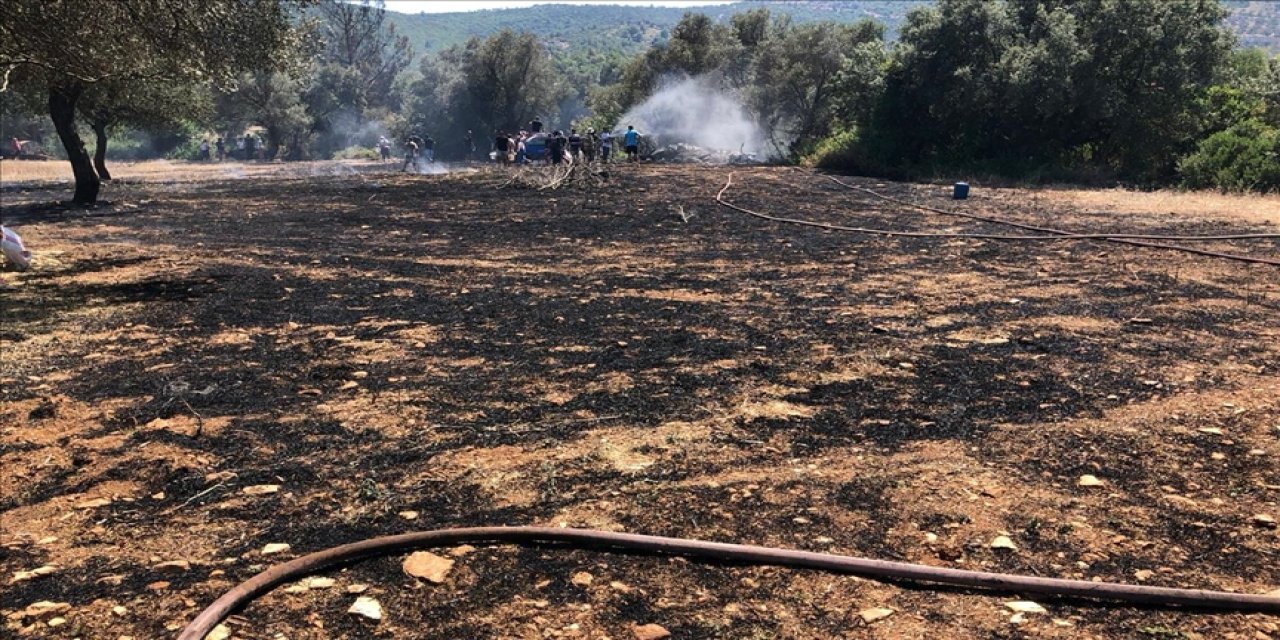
<point>606,145</point>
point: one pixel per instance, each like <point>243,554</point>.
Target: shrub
<point>1245,157</point>
<point>357,152</point>
<point>849,151</point>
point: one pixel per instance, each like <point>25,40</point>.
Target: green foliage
<point>809,78</point>
<point>697,46</point>
<point>1224,106</point>
<point>360,40</point>
<point>357,153</point>
<point>1245,157</point>
<point>69,47</point>
<point>86,42</point>
<point>274,101</point>
<point>499,83</point>
<point>1042,83</point>
<point>341,97</point>
<point>843,150</point>
<point>572,30</point>
<point>24,114</point>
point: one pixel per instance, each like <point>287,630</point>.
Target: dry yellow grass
<point>16,171</point>
<point>1248,208</point>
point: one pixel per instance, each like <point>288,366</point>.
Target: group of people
<point>248,148</point>
<point>557,148</point>
<point>525,147</point>
<point>416,151</point>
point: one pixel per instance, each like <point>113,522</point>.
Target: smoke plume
<point>692,111</point>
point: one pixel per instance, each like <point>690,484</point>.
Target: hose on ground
<point>263,582</point>
<point>1129,239</point>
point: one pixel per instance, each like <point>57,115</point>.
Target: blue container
<point>961,191</point>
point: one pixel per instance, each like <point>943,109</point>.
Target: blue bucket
<point>961,191</point>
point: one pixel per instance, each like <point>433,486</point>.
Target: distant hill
<point>619,29</point>
<point>1257,23</point>
<point>614,32</point>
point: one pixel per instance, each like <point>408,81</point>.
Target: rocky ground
<point>203,371</point>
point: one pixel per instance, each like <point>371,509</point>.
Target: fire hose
<point>1129,239</point>
<point>313,563</point>
<point>263,582</point>
<point>1054,235</point>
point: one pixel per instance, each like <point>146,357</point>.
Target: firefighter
<point>575,145</point>
<point>590,144</point>
<point>410,154</point>
<point>501,146</point>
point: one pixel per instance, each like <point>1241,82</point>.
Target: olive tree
<point>76,44</point>
<point>139,104</point>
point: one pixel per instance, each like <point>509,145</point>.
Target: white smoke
<point>692,111</point>
<point>431,168</point>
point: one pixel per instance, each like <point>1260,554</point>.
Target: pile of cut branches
<point>575,175</point>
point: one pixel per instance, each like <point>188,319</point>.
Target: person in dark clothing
<point>589,144</point>
<point>221,147</point>
<point>250,147</point>
<point>469,147</point>
<point>429,149</point>
<point>501,147</point>
<point>575,145</point>
<point>558,144</point>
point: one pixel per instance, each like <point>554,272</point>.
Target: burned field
<point>204,369</point>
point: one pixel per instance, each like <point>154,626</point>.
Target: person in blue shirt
<point>631,142</point>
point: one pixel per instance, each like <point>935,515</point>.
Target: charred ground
<point>376,344</point>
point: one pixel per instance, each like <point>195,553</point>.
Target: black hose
<point>260,584</point>
<point>1129,239</point>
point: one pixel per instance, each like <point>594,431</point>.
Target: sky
<point>449,6</point>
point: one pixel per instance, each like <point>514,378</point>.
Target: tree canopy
<point>72,45</point>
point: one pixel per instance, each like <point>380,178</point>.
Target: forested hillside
<point>605,31</point>
<point>1257,23</point>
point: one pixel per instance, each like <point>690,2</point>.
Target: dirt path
<point>406,352</point>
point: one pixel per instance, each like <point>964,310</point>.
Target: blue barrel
<point>961,191</point>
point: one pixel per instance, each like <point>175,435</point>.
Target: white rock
<point>367,607</point>
<point>1025,606</point>
<point>1003,542</point>
<point>1089,481</point>
<point>873,614</point>
<point>275,547</point>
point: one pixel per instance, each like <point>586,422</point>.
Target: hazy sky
<point>446,6</point>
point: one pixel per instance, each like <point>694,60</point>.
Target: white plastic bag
<point>13,249</point>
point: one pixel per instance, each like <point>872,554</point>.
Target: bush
<point>357,152</point>
<point>849,151</point>
<point>1245,157</point>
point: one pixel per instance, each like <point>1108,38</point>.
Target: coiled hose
<point>260,584</point>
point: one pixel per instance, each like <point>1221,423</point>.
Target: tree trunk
<point>100,151</point>
<point>274,141</point>
<point>62,109</point>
